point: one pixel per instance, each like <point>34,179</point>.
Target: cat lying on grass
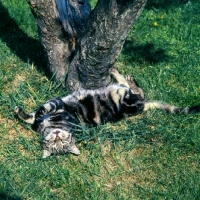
<point>56,120</point>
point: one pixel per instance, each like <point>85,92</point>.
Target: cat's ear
<point>46,153</point>
<point>73,149</point>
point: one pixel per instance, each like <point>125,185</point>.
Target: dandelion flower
<point>155,23</point>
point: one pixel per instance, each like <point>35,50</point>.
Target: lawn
<point>152,156</point>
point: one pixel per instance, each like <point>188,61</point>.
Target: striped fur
<point>56,120</point>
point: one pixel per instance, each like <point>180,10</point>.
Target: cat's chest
<point>44,122</point>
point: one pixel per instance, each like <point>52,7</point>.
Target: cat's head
<point>57,140</point>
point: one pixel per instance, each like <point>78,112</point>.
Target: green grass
<point>151,156</point>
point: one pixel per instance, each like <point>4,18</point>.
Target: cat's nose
<point>57,136</point>
<point>56,132</point>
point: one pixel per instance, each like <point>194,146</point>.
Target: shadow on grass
<point>26,48</point>
<point>164,4</point>
<point>5,196</point>
<point>145,52</point>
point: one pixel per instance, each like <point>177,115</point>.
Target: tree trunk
<point>52,36</point>
<point>101,43</point>
<point>98,47</point>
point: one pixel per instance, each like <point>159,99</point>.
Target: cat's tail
<point>170,108</point>
<point>26,117</point>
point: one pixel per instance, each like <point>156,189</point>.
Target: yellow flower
<point>155,23</point>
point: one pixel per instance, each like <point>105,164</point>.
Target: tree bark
<point>53,37</point>
<point>98,46</point>
<point>101,43</point>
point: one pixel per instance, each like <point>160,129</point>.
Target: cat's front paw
<point>46,154</point>
<point>73,149</point>
<point>40,112</point>
<point>17,109</point>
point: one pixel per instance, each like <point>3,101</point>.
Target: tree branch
<point>101,43</point>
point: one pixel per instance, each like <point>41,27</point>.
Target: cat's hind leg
<point>128,81</point>
<point>118,77</point>
<point>134,85</point>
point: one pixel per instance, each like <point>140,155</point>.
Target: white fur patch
<point>46,154</point>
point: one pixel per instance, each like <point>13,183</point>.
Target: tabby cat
<point>56,120</point>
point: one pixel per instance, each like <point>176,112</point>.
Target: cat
<point>56,120</point>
